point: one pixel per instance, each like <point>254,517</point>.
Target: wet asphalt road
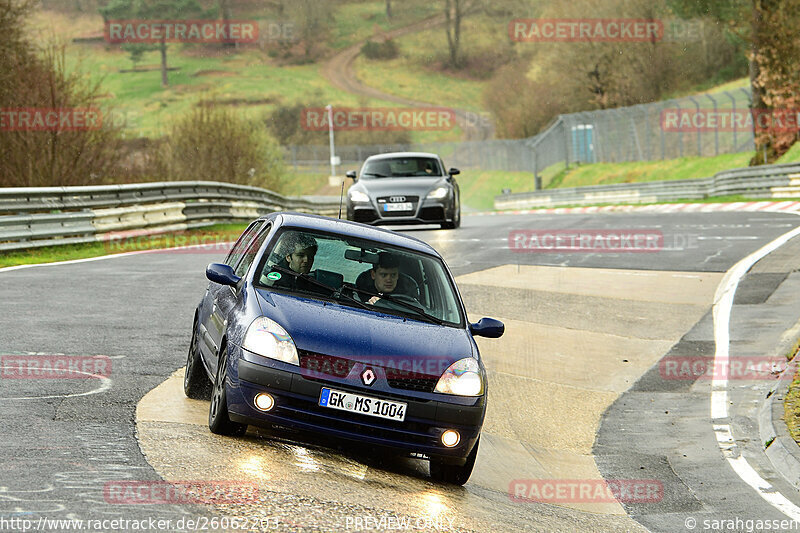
<point>63,440</point>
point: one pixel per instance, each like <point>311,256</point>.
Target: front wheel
<point>456,223</point>
<point>455,474</point>
<point>218,420</point>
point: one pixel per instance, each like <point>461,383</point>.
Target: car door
<point>227,297</point>
<point>210,323</point>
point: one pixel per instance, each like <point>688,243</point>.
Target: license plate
<point>355,403</point>
<point>405,206</point>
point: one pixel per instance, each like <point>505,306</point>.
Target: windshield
<point>401,167</point>
<point>360,273</point>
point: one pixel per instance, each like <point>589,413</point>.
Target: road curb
<point>787,206</point>
<point>783,452</point>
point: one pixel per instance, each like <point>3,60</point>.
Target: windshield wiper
<point>376,174</point>
<point>417,310</point>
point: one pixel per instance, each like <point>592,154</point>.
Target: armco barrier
<point>762,182</point>
<point>48,216</point>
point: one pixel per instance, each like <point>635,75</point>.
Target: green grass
<point>209,235</point>
<point>792,156</point>
<point>356,22</point>
<point>415,73</point>
<point>643,171</point>
<point>791,403</point>
<point>244,80</point>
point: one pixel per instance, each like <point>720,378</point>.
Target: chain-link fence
<point>636,133</point>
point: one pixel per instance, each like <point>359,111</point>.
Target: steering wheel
<point>411,284</point>
<point>383,302</point>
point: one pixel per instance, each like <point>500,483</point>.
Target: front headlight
<point>463,378</point>
<point>267,338</point>
<point>439,192</point>
<point>358,196</point>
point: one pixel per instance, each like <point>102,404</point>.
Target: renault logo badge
<point>368,377</point>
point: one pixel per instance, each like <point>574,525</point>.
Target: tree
<point>213,143</point>
<point>774,74</point>
<point>770,29</point>
<point>34,77</point>
<point>152,10</point>
<point>454,13</point>
<point>388,9</point>
<point>225,9</point>
<point>311,18</point>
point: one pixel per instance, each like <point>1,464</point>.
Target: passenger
<point>297,254</point>
<point>299,250</point>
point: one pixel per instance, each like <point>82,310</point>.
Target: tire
<point>457,475</point>
<point>218,420</point>
<point>456,223</point>
<point>196,384</point>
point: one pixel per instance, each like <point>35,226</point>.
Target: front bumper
<point>425,212</point>
<point>296,406</point>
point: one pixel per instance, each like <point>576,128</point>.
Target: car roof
<point>392,155</point>
<point>351,229</point>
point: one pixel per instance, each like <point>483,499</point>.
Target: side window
<point>238,249</point>
<point>252,250</point>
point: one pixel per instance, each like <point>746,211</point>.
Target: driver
<point>384,274</point>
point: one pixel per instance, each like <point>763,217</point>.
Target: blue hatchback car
<point>344,330</point>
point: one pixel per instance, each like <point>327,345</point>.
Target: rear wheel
<point>218,420</point>
<point>196,384</point>
<point>457,475</point>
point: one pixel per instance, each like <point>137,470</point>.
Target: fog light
<point>264,402</point>
<point>450,438</point>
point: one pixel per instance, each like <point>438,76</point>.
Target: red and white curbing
<point>783,207</point>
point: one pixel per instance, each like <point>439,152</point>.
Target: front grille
<point>395,197</point>
<point>318,365</point>
<point>400,379</point>
<point>383,200</point>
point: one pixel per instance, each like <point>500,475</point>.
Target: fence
<point>632,133</point>
<point>48,216</point>
<point>762,182</point>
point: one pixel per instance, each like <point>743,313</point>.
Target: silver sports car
<point>405,188</point>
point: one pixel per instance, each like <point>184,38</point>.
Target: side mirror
<point>222,274</point>
<point>454,172</point>
<point>351,174</point>
<point>488,327</point>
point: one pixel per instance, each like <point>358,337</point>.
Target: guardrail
<point>49,216</point>
<point>767,181</point>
